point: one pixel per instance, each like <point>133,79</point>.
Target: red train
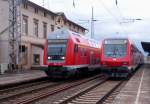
<point>119,57</point>
<point>68,53</point>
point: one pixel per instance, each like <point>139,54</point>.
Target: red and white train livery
<point>119,57</point>
<point>68,53</point>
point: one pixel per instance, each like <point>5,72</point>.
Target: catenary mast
<point>14,33</point>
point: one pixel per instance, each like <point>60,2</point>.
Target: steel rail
<point>57,90</point>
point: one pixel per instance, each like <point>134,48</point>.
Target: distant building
<point>36,23</point>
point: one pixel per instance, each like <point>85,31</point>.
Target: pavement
<point>21,76</point>
<point>137,90</point>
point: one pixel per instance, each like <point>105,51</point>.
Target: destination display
<point>57,40</point>
<point>123,41</point>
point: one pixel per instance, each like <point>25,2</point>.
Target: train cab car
<point>67,53</point>
<point>119,57</point>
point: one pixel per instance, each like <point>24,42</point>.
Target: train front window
<point>115,50</point>
<point>56,51</point>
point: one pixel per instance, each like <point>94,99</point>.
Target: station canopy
<point>146,47</point>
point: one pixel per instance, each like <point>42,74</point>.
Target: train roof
<point>77,38</point>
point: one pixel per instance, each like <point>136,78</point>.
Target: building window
<point>36,10</point>
<point>65,22</point>
<point>23,50</point>
<point>58,21</point>
<point>36,59</point>
<point>52,17</point>
<point>69,28</point>
<point>45,14</point>
<point>69,24</point>
<point>25,5</point>
<point>52,27</point>
<point>78,29</point>
<point>45,29</point>
<point>83,30</point>
<point>58,27</point>
<point>74,27</point>
<point>25,25</point>
<point>35,27</point>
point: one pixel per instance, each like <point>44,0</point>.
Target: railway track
<point>94,94</point>
<point>100,93</point>
<point>10,88</point>
<point>38,93</point>
<point>9,93</point>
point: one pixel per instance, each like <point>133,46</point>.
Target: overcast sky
<point>112,20</point>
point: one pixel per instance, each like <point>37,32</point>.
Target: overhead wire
<point>121,15</point>
<point>102,3</point>
<point>115,17</point>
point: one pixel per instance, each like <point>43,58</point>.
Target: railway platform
<point>137,90</point>
<point>20,77</point>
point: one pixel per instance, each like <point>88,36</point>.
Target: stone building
<point>36,23</point>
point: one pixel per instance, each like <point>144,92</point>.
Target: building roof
<point>63,15</point>
<point>50,12</point>
<point>30,3</point>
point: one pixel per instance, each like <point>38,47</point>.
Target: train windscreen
<point>56,50</point>
<point>115,48</point>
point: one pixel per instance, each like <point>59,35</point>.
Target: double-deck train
<point>119,57</point>
<point>67,53</point>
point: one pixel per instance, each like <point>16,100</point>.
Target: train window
<point>132,49</point>
<point>56,49</point>
<point>98,60</point>
<point>115,50</point>
<point>81,51</point>
<point>75,48</point>
<point>77,40</point>
<point>84,52</point>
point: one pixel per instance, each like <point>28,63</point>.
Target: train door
<point>91,57</point>
<point>76,53</point>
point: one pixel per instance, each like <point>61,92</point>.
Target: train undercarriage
<point>118,72</point>
<point>65,72</point>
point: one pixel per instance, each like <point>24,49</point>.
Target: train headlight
<point>104,63</point>
<point>63,58</point>
<point>125,63</point>
<point>49,57</point>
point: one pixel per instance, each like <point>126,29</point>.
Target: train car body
<point>68,53</point>
<point>119,57</point>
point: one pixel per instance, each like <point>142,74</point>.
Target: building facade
<point>36,23</point>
